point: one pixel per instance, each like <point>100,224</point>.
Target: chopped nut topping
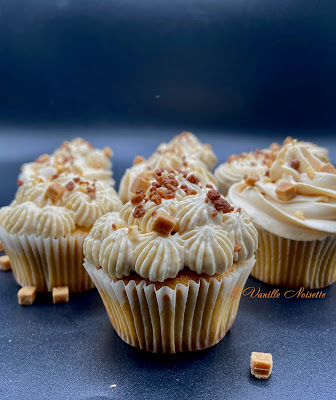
<point>108,151</point>
<point>70,186</point>
<point>55,176</point>
<point>261,365</point>
<point>209,186</point>
<point>42,159</point>
<point>193,179</point>
<point>213,194</point>
<point>295,164</point>
<point>139,211</point>
<point>27,295</point>
<point>214,213</point>
<point>329,168</point>
<point>251,179</point>
<point>299,214</point>
<point>222,205</point>
<point>138,160</point>
<point>310,172</point>
<point>19,182</point>
<point>77,179</point>
<point>285,191</point>
<point>163,223</point>
<point>137,198</point>
<point>155,198</point>
<point>55,191</point>
<point>267,172</point>
<point>237,248</point>
<point>5,264</point>
<point>140,183</point>
<point>188,191</point>
<point>91,189</point>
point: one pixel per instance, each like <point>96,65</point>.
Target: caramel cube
<point>5,264</point>
<point>1,247</point>
<point>261,365</point>
<point>140,183</point>
<point>60,294</point>
<point>329,168</point>
<point>27,295</point>
<point>108,151</point>
<point>55,191</point>
<point>251,179</point>
<point>285,191</point>
<point>163,223</point>
<point>138,160</point>
<point>133,232</point>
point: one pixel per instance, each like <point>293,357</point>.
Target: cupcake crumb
<point>5,264</point>
<point>261,364</point>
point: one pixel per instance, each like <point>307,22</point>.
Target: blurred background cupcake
<point>183,153</point>
<point>259,161</point>
<point>58,200</point>
<point>294,209</point>
<point>169,264</point>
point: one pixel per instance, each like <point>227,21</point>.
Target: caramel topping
<point>55,191</point>
<point>285,191</point>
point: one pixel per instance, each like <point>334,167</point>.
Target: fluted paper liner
<point>292,263</point>
<point>166,320</point>
<point>47,262</point>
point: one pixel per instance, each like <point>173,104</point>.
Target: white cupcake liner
<point>291,263</point>
<point>47,262</point>
<point>166,320</point>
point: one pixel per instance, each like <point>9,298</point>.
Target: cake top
<point>171,222</point>
<point>52,200</point>
<point>184,152</point>
<point>259,161</point>
<point>295,198</point>
<point>78,157</point>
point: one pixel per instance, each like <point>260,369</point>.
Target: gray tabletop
<point>70,351</point>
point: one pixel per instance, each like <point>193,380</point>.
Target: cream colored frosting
<point>204,239</point>
<point>184,152</point>
<point>258,162</point>
<point>80,203</point>
<point>310,215</point>
<point>78,157</point>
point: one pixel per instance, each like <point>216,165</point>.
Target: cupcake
<point>185,153</point>
<point>259,161</point>
<point>167,264</point>
<point>294,210</point>
<point>59,199</point>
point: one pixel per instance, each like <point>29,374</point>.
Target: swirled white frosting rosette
<point>183,153</point>
<point>259,161</point>
<point>168,263</point>
<point>294,209</point>
<point>56,205</point>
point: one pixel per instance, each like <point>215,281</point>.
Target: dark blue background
<point>206,63</point>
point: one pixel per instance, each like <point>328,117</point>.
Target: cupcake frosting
<point>55,205</point>
<point>259,161</point>
<point>78,157</point>
<point>175,223</point>
<point>297,200</point>
<point>184,153</point>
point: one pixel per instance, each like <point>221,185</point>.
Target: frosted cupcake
<point>183,153</point>
<point>294,209</point>
<point>56,204</point>
<point>167,265</point>
<point>259,161</point>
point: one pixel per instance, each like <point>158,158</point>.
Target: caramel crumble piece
<point>55,191</point>
<point>140,183</point>
<point>222,205</point>
<point>1,247</point>
<point>299,214</point>
<point>42,159</point>
<point>237,248</point>
<point>155,198</point>
<point>193,179</point>
<point>214,213</point>
<point>206,200</point>
<point>55,176</point>
<point>108,152</point>
<point>285,191</point>
<point>137,198</point>
<point>77,179</point>
<point>213,194</point>
<point>138,160</point>
<point>329,168</point>
<point>163,223</point>
<point>20,182</point>
<point>251,179</point>
<point>295,164</point>
<point>97,164</point>
<point>91,189</point>
<point>208,186</point>
<point>5,264</point>
<point>261,365</point>
<point>267,172</point>
<point>139,211</point>
<point>168,195</point>
<point>27,295</point>
<point>70,186</point>
<point>60,294</point>
<point>118,225</point>
<point>310,172</point>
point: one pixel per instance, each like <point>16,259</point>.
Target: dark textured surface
<point>70,351</point>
